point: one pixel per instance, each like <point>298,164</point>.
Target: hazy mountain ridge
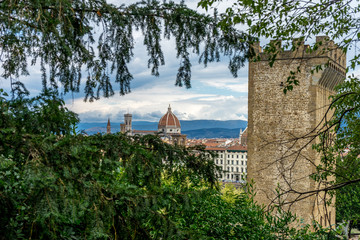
<point>193,128</point>
<point>213,133</point>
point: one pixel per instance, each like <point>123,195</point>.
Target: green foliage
<point>286,20</point>
<point>292,22</point>
<point>58,184</point>
<point>340,150</point>
<point>69,38</point>
<point>348,206</point>
<point>229,192</point>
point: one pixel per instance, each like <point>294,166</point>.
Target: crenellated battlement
<point>326,49</point>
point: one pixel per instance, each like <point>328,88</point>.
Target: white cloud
<point>149,100</point>
<point>229,84</point>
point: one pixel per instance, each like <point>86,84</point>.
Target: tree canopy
<point>56,183</point>
<point>70,39</point>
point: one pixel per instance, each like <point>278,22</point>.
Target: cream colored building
<point>233,161</point>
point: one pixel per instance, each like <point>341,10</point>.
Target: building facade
<point>280,125</point>
<point>243,137</point>
<point>233,161</point>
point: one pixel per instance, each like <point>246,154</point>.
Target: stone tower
<point>108,127</point>
<point>278,158</point>
<point>128,123</point>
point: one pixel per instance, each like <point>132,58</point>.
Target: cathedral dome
<point>169,123</point>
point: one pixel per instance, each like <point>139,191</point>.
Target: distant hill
<point>187,125</point>
<point>213,133</point>
<point>193,128</point>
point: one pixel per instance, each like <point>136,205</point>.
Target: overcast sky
<point>215,94</point>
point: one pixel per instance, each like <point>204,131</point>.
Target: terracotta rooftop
<point>238,147</point>
<point>143,131</point>
<point>215,148</point>
<point>211,144</point>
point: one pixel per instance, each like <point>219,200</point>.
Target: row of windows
<point>232,156</point>
<point>235,177</point>
<point>237,156</point>
<point>237,169</point>
<point>232,162</point>
<point>237,162</point>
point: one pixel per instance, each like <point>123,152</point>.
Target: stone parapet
<point>324,50</point>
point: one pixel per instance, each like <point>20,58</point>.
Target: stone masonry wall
<point>280,155</point>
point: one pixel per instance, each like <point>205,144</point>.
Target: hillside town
<point>231,154</point>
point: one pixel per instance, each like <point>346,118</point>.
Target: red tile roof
<point>143,131</point>
<point>215,148</point>
<point>211,144</point>
<point>238,147</point>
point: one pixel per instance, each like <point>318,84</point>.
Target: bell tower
<point>128,123</point>
<point>108,127</point>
